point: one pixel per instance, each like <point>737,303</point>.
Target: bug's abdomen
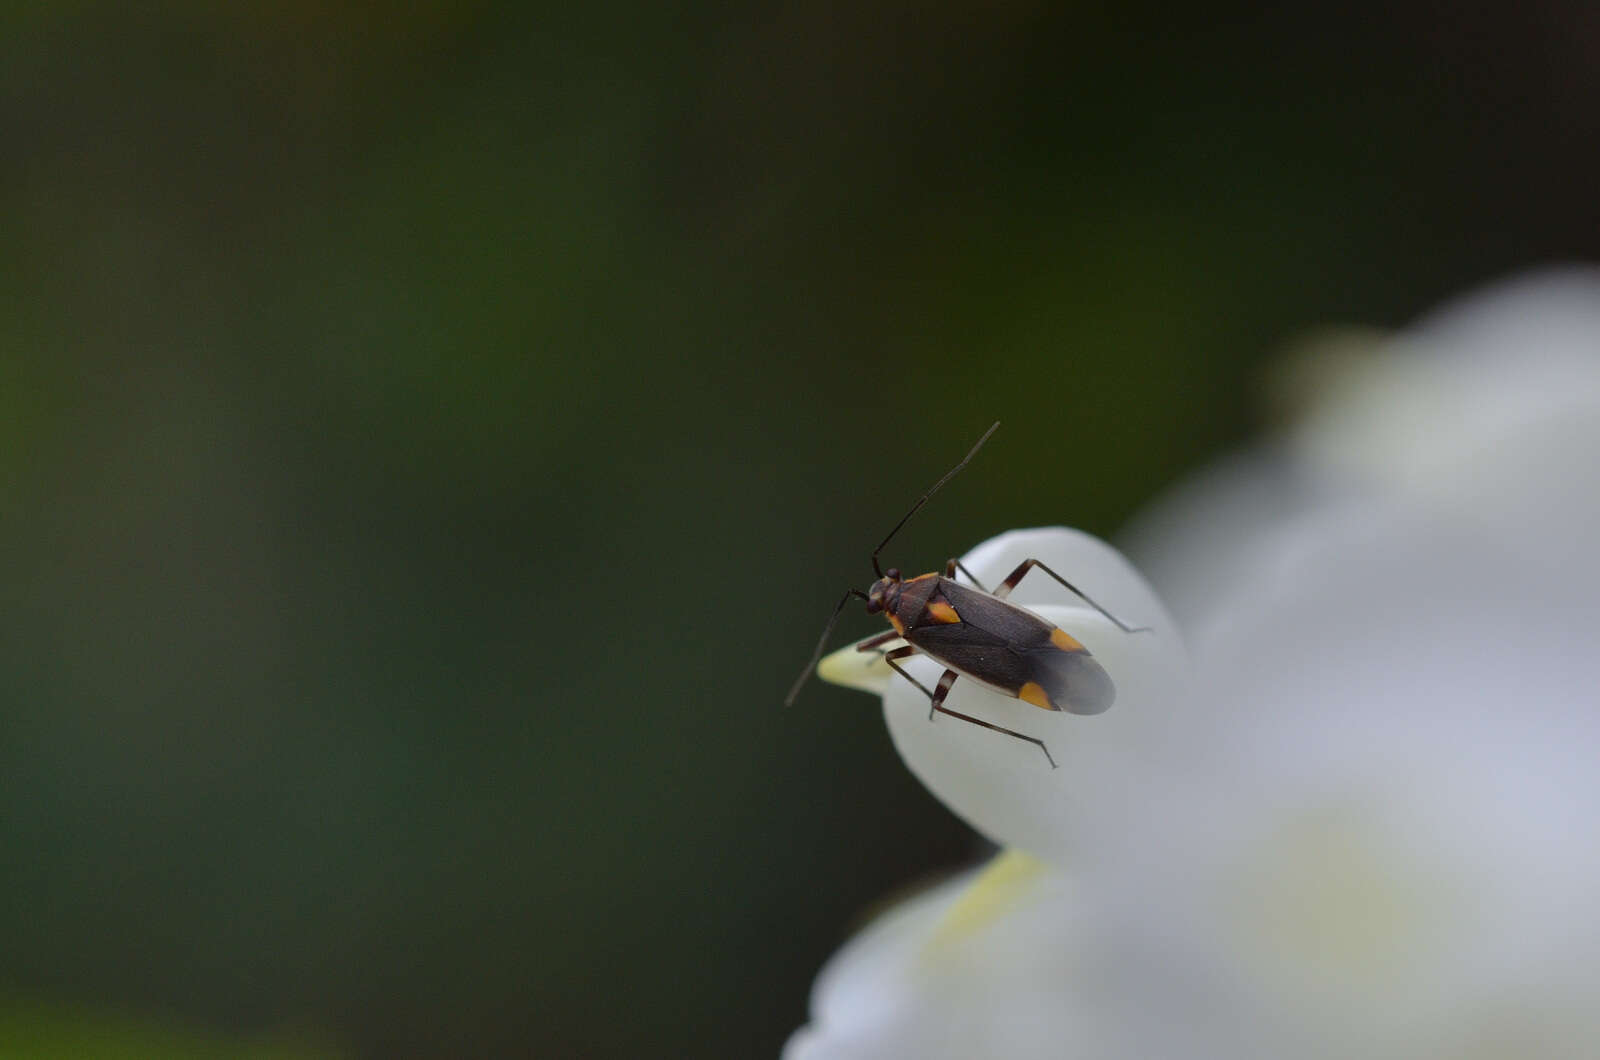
<point>1018,654</point>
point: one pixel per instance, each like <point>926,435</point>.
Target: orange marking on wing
<point>1033,692</point>
<point>1066,642</point>
<point>943,612</point>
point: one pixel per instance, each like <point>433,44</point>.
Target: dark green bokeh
<point>430,445</point>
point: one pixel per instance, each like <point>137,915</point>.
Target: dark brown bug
<point>980,635</point>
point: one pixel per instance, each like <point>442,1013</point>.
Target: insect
<point>979,635</point>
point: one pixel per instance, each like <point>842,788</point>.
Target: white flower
<point>1002,786</point>
<point>1370,824</point>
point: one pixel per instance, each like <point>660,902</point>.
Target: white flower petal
<point>1383,803</point>
<point>863,670</point>
<point>1210,530</point>
<point>1367,826</point>
<point>987,957</point>
<point>1487,413</point>
<point>1437,410</point>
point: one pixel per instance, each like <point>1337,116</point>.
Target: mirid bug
<point>978,634</point>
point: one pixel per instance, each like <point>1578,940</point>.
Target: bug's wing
<point>1073,681</point>
<point>1010,649</point>
<point>975,653</point>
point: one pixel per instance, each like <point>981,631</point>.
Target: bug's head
<point>884,594</point>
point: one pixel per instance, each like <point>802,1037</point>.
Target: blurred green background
<point>431,439</point>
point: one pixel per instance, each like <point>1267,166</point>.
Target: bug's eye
<point>874,606</point>
<point>893,574</point>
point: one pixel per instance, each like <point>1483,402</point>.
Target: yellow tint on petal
<point>993,893</point>
<point>1329,898</point>
<point>864,670</point>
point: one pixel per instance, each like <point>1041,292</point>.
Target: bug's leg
<point>937,699</point>
<point>1004,589</point>
<point>901,653</point>
<point>872,643</point>
<point>1031,739</point>
<point>940,690</point>
<point>954,565</point>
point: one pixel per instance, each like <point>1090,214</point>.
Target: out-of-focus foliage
<point>34,1031</point>
<point>430,438</point>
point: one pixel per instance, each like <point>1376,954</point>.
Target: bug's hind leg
<point>953,565</point>
<point>937,699</point>
<point>1004,589</point>
<point>1031,739</point>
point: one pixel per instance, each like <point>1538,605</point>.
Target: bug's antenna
<point>948,475</point>
<point>822,642</point>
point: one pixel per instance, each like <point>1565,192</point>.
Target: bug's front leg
<point>947,679</point>
<point>872,643</point>
<point>1004,589</point>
